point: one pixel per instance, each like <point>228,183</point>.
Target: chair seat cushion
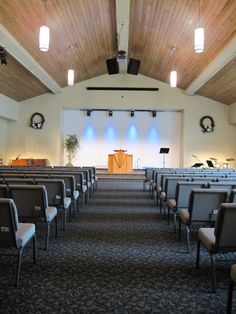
<point>171,203</point>
<point>184,215</point>
<point>163,195</point>
<point>207,236</point>
<point>24,234</point>
<point>233,272</point>
<point>67,202</point>
<point>51,212</point>
<point>75,195</point>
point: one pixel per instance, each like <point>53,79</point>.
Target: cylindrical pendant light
<point>71,77</point>
<point>199,40</point>
<point>173,78</point>
<point>199,34</point>
<point>44,38</point>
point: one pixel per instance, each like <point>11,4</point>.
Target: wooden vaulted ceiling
<point>155,26</point>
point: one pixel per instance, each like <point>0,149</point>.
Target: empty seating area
<point>111,237</point>
<point>38,198</point>
<point>203,204</point>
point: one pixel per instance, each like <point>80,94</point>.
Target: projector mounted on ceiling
<point>121,56</point>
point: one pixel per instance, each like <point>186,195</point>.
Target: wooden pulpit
<point>120,162</point>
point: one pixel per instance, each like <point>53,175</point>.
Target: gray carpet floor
<point>118,255</point>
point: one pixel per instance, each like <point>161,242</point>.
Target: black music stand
<point>197,165</point>
<point>210,163</point>
<point>164,151</point>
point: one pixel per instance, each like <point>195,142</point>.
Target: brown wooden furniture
<point>120,162</point>
<point>29,162</point>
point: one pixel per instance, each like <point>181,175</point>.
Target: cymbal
<point>212,158</point>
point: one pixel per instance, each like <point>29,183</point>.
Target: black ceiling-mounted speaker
<point>133,66</point>
<point>112,66</point>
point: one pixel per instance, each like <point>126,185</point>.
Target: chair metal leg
<point>213,272</point>
<point>168,216</point>
<point>18,267</point>
<point>198,253</point>
<point>179,234</point>
<point>56,226</point>
<point>64,221</point>
<point>230,297</point>
<point>175,222</point>
<point>188,240</point>
<point>34,248</point>
<point>47,236</point>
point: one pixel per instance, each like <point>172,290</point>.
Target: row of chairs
<point>37,201</point>
<point>211,208</point>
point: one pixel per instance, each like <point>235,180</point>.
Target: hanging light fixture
<point>173,73</point>
<point>44,35</point>
<point>71,72</point>
<point>199,36</point>
<point>173,78</point>
<point>70,77</point>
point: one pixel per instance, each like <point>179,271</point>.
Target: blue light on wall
<point>132,133</point>
<point>89,133</point>
<point>110,133</point>
<point>153,134</point>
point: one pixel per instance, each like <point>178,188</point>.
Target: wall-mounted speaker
<point>133,66</point>
<point>112,66</point>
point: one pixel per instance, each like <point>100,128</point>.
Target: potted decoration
<point>71,145</point>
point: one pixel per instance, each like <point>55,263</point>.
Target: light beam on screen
<point>89,133</point>
<point>132,133</point>
<point>153,134</point>
<point>110,133</point>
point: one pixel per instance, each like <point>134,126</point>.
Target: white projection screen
<point>141,135</point>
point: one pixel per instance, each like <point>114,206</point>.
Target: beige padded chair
<point>32,205</point>
<point>230,290</point>
<point>202,210</point>
<point>221,238</point>
<point>14,236</point>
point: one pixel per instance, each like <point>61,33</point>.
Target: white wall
<point>47,143</point>
<point>142,136</point>
<point>3,139</point>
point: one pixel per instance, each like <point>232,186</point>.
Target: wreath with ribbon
<point>37,120</point>
<point>207,124</point>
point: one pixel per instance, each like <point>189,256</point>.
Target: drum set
<point>222,164</point>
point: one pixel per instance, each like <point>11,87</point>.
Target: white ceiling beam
<point>215,66</point>
<point>122,24</point>
<point>22,56</point>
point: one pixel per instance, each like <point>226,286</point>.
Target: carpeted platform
<point>117,256</point>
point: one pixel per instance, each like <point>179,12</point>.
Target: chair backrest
<point>3,191</point>
<point>225,230</point>
<point>205,203</point>
<point>31,200</point>
<point>24,181</point>
<point>171,184</point>
<point>56,190</point>
<point>232,196</point>
<point>69,182</point>
<point>79,179</point>
<point>8,222</point>
<point>222,185</point>
<point>183,191</point>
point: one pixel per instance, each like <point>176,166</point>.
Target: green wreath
<point>207,124</point>
<point>37,120</point>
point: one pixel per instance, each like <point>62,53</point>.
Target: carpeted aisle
<point>117,256</point>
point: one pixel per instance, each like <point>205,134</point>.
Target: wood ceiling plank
<point>87,24</point>
<point>221,87</point>
<point>18,83</point>
<point>156,26</point>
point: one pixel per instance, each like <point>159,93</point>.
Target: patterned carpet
<point>117,256</point>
